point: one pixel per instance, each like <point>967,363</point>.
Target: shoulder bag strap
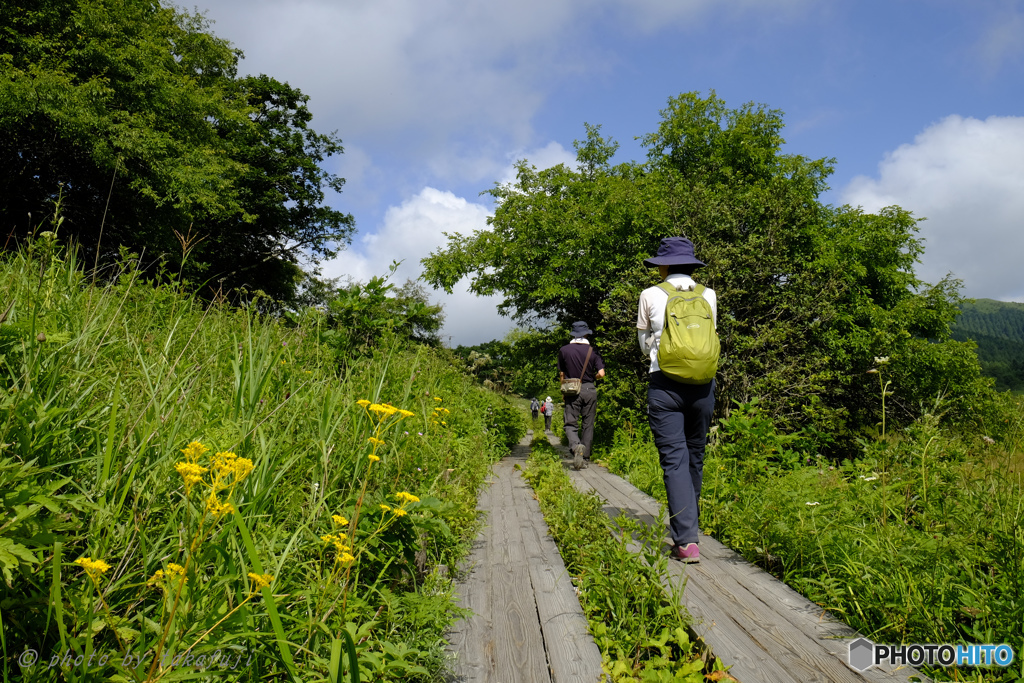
<point>590,349</point>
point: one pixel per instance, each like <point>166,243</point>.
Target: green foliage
<point>808,294</point>
<point>920,539</point>
<point>997,327</point>
<point>639,628</point>
<point>102,388</point>
<point>135,111</point>
<point>522,363</point>
<point>359,318</point>
<point>36,513</point>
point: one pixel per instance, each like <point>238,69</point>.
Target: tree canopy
<point>133,114</point>
<point>809,294</point>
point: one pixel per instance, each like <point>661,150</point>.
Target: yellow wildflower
<point>339,520</point>
<point>243,466</point>
<point>406,497</point>
<point>224,463</point>
<point>217,508</point>
<point>373,458</point>
<point>438,398</point>
<point>406,413</point>
<point>94,568</point>
<point>363,402</point>
<point>159,578</point>
<point>261,580</point>
<point>399,512</point>
<point>375,441</point>
<point>345,558</point>
<point>385,508</point>
<point>191,474</point>
<point>194,451</point>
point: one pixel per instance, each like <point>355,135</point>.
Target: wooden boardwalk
<point>758,626</point>
<point>527,624</point>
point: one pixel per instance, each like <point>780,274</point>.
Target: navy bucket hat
<point>674,251</point>
<point>580,329</point>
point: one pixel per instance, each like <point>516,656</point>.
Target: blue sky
<point>921,103</point>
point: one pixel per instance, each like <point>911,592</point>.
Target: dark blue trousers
<point>680,417</point>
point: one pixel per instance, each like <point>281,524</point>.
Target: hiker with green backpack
<point>676,329</point>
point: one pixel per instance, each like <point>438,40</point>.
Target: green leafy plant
<point>640,629</point>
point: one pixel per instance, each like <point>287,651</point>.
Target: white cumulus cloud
<point>416,227</point>
<point>410,232</point>
<point>966,177</point>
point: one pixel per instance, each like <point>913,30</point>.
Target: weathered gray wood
<point>572,654</point>
<point>745,615</point>
<point>527,624</point>
<point>519,653</point>
<point>470,639</point>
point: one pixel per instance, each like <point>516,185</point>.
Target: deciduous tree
<point>133,111</point>
<point>809,293</point>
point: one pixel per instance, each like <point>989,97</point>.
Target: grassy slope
<point>103,386</point>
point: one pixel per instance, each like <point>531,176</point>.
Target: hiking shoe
<point>688,553</point>
<point>578,451</point>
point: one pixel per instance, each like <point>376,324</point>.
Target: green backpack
<point>689,349</point>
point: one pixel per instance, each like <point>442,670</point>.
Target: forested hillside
<point>997,327</point>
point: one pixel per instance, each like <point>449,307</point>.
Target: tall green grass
<point>920,540</point>
<point>101,389</point>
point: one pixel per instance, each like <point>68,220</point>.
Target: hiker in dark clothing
<point>579,360</point>
<point>534,407</point>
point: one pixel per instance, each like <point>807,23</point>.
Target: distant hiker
<point>579,367</point>
<point>534,407</point>
<point>548,409</point>
<point>681,395</point>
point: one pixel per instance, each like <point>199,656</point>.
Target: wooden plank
<point>748,660</point>
<point>786,625</point>
<point>831,634</point>
<point>572,654</point>
<point>470,639</point>
<point>518,644</point>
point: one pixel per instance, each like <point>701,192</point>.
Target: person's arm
<point>644,338</point>
<point>600,373</point>
<point>644,332</point>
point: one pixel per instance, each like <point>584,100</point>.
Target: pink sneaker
<point>688,553</point>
